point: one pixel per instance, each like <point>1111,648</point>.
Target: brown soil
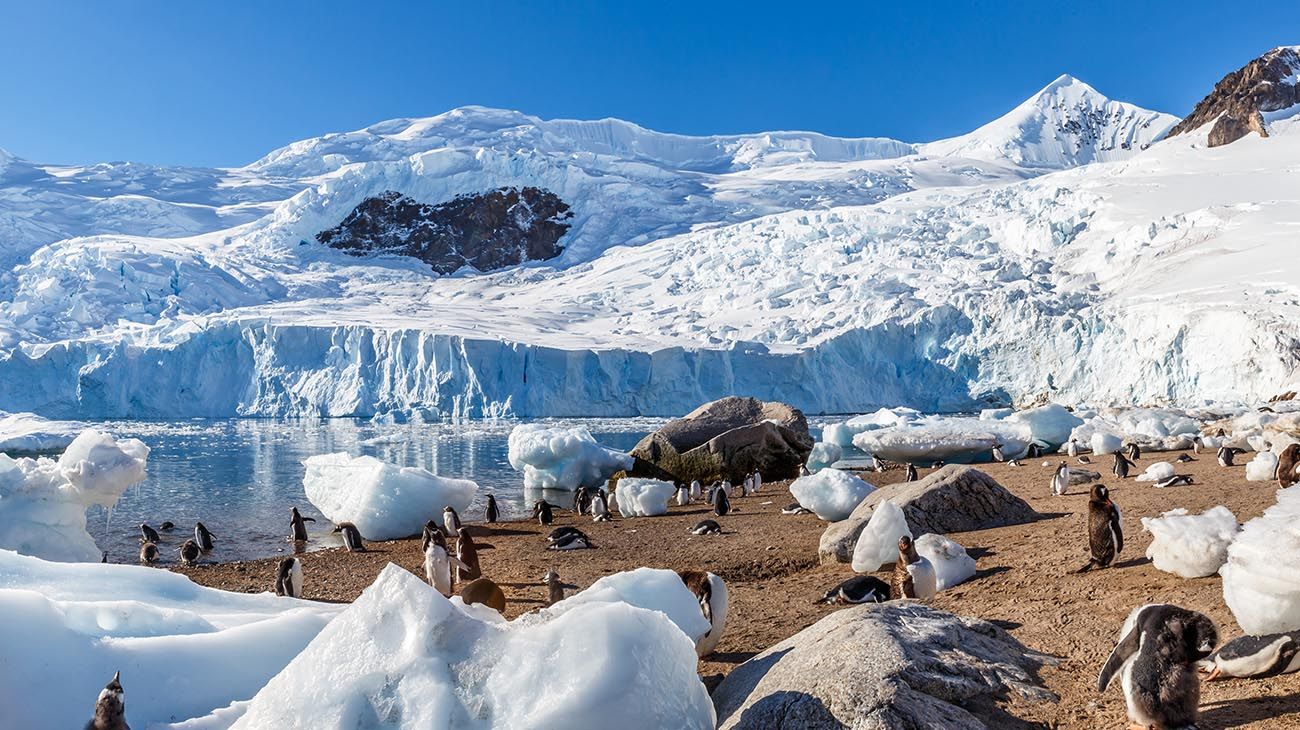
<point>769,560</point>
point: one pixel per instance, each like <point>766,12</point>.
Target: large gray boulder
<point>956,498</point>
<point>727,439</point>
<point>895,666</point>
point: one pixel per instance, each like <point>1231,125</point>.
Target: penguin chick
<point>149,553</point>
<point>467,552</point>
<point>1158,650</point>
<point>110,708</point>
<point>1288,466</point>
<point>914,576</point>
<point>189,552</point>
<point>555,587</point>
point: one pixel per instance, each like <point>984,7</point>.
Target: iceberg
<point>824,454</point>
<point>30,433</point>
<point>1191,546</point>
<point>637,497</point>
<point>562,458</point>
<point>830,493</point>
<point>384,501</point>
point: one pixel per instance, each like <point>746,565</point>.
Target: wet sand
<point>1025,581</point>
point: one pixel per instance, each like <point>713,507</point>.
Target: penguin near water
<point>721,503</point>
<point>490,513</point>
<point>859,589</point>
<point>427,535</point>
<point>1288,466</point>
<point>914,576</point>
<point>148,534</point>
<point>110,708</point>
<point>203,537</point>
<point>1254,657</point>
<point>298,525</point>
<point>1156,657</point>
<point>288,578</point>
<point>189,552</point>
<point>1105,529</point>
<point>149,553</point>
<point>451,520</point>
<point>1061,479</point>
<point>911,473</point>
<point>467,553</point>
<point>711,592</point>
<point>1121,466</point>
<point>706,527</point>
<point>351,537</point>
<point>542,512</point>
<point>438,564</point>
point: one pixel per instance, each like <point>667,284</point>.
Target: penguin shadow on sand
<point>1131,562</point>
<point>1247,710</point>
<point>986,552</point>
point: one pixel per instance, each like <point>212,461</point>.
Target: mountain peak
<point>1239,103</point>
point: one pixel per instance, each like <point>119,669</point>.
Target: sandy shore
<point>769,560</point>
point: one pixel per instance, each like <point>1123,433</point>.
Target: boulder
<point>889,665</point>
<point>727,439</point>
<point>956,498</point>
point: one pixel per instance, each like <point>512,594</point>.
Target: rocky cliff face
<point>487,231</point>
<point>1239,102</point>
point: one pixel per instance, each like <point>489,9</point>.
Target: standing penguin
<point>683,495</point>
<point>711,592</point>
<point>911,473</point>
<point>431,528</point>
<point>490,514</point>
<point>1061,480</point>
<point>1121,466</point>
<point>1033,451</point>
<point>1156,657</point>
<point>351,537</point>
<point>467,552</point>
<point>1197,443</point>
<point>148,534</point>
<point>542,511</point>
<point>555,587</point>
<point>1287,463</point>
<point>914,576</point>
<point>288,578</point>
<point>1134,451</point>
<point>149,553</point>
<point>695,489</point>
<point>110,708</point>
<point>758,481</point>
<point>721,503</point>
<point>438,564</point>
<point>450,520</point>
<point>1254,657</point>
<point>1105,529</point>
<point>877,463</point>
<point>203,537</point>
<point>600,508</point>
<point>1072,448</point>
<point>189,552</point>
<point>1226,456</point>
<point>998,454</point>
<point>298,525</point>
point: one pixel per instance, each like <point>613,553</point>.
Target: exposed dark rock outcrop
<point>487,231</point>
<point>1239,101</point>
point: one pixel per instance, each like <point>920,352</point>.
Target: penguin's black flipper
<point>1126,648</point>
<point>309,519</point>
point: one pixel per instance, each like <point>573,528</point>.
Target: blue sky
<point>210,83</point>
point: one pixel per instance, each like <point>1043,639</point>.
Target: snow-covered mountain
<point>838,274</point>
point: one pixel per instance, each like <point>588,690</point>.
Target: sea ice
<point>639,497</point>
<point>842,434</point>
<point>830,493</point>
<point>384,501</point>
<point>1260,582</point>
<point>878,544</point>
<point>1191,546</point>
<point>952,564</point>
<point>824,454</point>
<point>562,458</point>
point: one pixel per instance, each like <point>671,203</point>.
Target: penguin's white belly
<point>438,570</point>
<point>1135,712</point>
<point>295,579</point>
<point>717,617</point>
<point>1249,666</point>
<point>924,581</point>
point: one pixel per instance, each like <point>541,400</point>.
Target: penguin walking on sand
<point>600,508</point>
<point>149,553</point>
<point>706,527</point>
<point>1134,451</point>
<point>450,520</point>
<point>1288,466</point>
<point>485,592</point>
<point>914,576</point>
<point>998,455</point>
<point>721,503</point>
<point>711,592</point>
<point>1061,479</point>
<point>1105,529</point>
<point>1254,657</point>
<point>148,534</point>
<point>288,578</point>
<point>351,537</point>
<point>298,525</point>
<point>1156,658</point>
<point>542,512</point>
<point>1226,456</point>
<point>555,587</point>
<point>467,553</point>
<point>1121,466</point>
<point>490,513</point>
<point>911,473</point>
<point>1072,449</point>
<point>576,540</point>
<point>110,708</point>
<point>695,490</point>
<point>859,589</point>
<point>683,496</point>
<point>438,564</point>
<point>202,537</point>
<point>189,552</point>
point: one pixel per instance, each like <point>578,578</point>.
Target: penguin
<point>1084,460</point>
<point>1287,463</point>
<point>582,500</point>
<point>998,454</point>
<point>1197,444</point>
<point>745,486</point>
<point>794,508</point>
<point>288,578</point>
<point>351,537</point>
<point>438,564</point>
<point>721,503</point>
<point>103,556</point>
<point>1105,529</point>
<point>1184,459</point>
<point>937,465</point>
<point>189,552</point>
<point>911,473</point>
<point>914,576</point>
<point>695,489</point>
<point>542,511</point>
<point>600,508</point>
<point>484,592</point>
<point>431,529</point>
<point>1121,466</point>
<point>450,520</point>
<point>467,552</point>
<point>490,514</point>
<point>1226,456</point>
<point>1254,657</point>
<point>555,587</point>
<point>706,527</point>
<point>148,553</point>
<point>1072,448</point>
<point>711,592</point>
<point>1174,481</point>
<point>757,486</point>
<point>576,540</point>
<point>683,496</point>
<point>1155,657</point>
<point>298,525</point>
<point>877,463</point>
<point>166,527</point>
<point>1134,451</point>
<point>803,471</point>
<point>202,537</point>
<point>148,534</point>
<point>726,487</point>
<point>110,708</point>
<point>859,589</point>
<point>1061,480</point>
<point>560,532</point>
<point>1033,451</point>
<point>1014,462</point>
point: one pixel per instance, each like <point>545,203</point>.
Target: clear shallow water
<point>240,477</point>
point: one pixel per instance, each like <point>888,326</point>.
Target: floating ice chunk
<point>1105,443</point>
<point>842,434</point>
<point>1260,582</point>
<point>403,657</point>
<point>1192,546</point>
<point>43,502</point>
<point>1157,472</point>
<point>878,544</point>
<point>1262,468</point>
<point>952,564</point>
<point>649,588</point>
<point>384,501</point>
<point>823,455</point>
<point>1049,425</point>
<point>638,497</point>
<point>28,432</point>
<point>830,493</point>
<point>562,458</point>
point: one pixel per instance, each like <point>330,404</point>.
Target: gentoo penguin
<point>1121,466</point>
<point>803,471</point>
<point>914,576</point>
<point>575,540</point>
<point>1084,460</point>
<point>1254,657</point>
<point>1105,529</point>
<point>189,552</point>
<point>1156,657</point>
<point>683,495</point>
<point>298,525</point>
<point>490,514</point>
<point>1134,452</point>
<point>1226,456</point>
<point>1033,451</point>
<point>467,552</point>
<point>288,578</point>
<point>542,511</point>
<point>911,473</point>
<point>1184,458</point>
<point>484,592</point>
<point>351,537</point>
<point>758,481</point>
<point>859,589</point>
<point>450,521</point>
<point>1060,479</point>
<point>110,708</point>
<point>1197,443</point>
<point>695,489</point>
<point>148,534</point>
<point>582,500</point>
<point>560,532</point>
<point>1014,462</point>
<point>555,587</point>
<point>721,503</point>
<point>1287,463</point>
<point>203,537</point>
<point>711,592</point>
<point>937,465</point>
<point>794,508</point>
<point>438,564</point>
<point>998,454</point>
<point>745,485</point>
<point>166,527</point>
<point>600,508</point>
<point>706,527</point>
<point>1174,481</point>
<point>431,528</point>
<point>148,553</point>
<point>877,463</point>
<point>1072,448</point>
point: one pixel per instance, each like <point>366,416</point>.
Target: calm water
<point>239,477</point>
